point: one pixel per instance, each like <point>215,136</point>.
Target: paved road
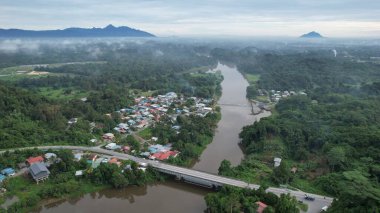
<point>314,206</point>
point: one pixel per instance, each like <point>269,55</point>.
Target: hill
<point>108,31</point>
<point>312,34</point>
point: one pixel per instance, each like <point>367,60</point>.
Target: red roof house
<point>126,148</point>
<point>92,157</point>
<point>261,207</point>
<point>114,161</point>
<point>32,160</point>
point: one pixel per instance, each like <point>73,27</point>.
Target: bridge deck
<point>315,206</point>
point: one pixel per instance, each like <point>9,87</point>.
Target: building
<point>277,162</point>
<point>73,121</point>
<point>8,172</point>
<point>39,172</point>
<point>126,149</point>
<point>163,155</point>
<point>261,207</point>
<point>49,156</point>
<point>112,146</point>
<point>115,161</point>
<point>92,157</point>
<point>78,156</point>
<point>2,178</point>
<point>32,160</point>
<point>108,136</point>
<point>79,173</point>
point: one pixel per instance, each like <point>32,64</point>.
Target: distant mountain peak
<point>108,31</point>
<point>312,34</point>
<point>110,26</point>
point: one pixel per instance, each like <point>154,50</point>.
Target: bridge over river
<point>199,177</point>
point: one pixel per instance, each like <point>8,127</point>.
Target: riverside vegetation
<point>329,138</point>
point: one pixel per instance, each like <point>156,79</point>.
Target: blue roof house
<point>8,172</point>
<point>2,178</point>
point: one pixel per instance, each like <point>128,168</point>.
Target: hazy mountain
<point>312,34</point>
<point>109,31</point>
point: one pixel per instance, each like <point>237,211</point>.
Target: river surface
<point>236,113</point>
<point>173,196</point>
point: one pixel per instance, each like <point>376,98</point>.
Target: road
<point>314,206</point>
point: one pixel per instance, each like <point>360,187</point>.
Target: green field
<point>61,94</point>
<point>146,133</point>
<point>252,79</point>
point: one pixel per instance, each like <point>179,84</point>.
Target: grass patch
<point>253,171</point>
<point>61,94</point>
<point>302,206</point>
<point>252,79</point>
<point>146,133</point>
<point>306,186</point>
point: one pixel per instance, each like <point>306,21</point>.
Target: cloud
<point>198,17</point>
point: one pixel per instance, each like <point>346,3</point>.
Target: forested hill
<point>27,119</point>
<point>329,139</point>
<point>108,31</point>
<point>35,109</point>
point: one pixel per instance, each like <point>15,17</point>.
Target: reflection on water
<point>235,115</point>
<point>173,196</point>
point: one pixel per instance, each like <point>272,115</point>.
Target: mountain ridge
<point>311,34</point>
<point>108,31</point>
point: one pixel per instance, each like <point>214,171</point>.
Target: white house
<point>277,162</point>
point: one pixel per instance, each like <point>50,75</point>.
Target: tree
<point>336,157</point>
<point>118,180</point>
<point>286,204</point>
<point>281,174</point>
<point>225,168</point>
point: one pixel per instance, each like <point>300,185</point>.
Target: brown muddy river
<point>175,196</point>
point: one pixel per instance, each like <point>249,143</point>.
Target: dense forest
<point>329,139</point>
<point>230,199</point>
<point>109,75</point>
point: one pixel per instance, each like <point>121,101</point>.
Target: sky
<point>246,18</point>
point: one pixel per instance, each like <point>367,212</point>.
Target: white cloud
<point>200,17</point>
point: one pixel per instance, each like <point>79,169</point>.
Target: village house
<point>92,157</point>
<point>163,155</point>
<point>108,136</point>
<point>32,160</point>
<point>78,173</point>
<point>112,146</point>
<point>8,172</point>
<point>78,156</point>
<point>115,161</point>
<point>97,162</point>
<point>2,178</point>
<point>261,207</point>
<point>126,149</point>
<point>39,172</point>
<point>277,162</point>
<point>73,121</point>
<point>50,156</point>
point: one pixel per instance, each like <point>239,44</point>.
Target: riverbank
<point>171,195</point>
<point>236,113</point>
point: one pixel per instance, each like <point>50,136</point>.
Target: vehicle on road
<point>307,197</point>
<point>324,208</point>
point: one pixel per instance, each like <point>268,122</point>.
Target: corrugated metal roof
<point>38,168</point>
